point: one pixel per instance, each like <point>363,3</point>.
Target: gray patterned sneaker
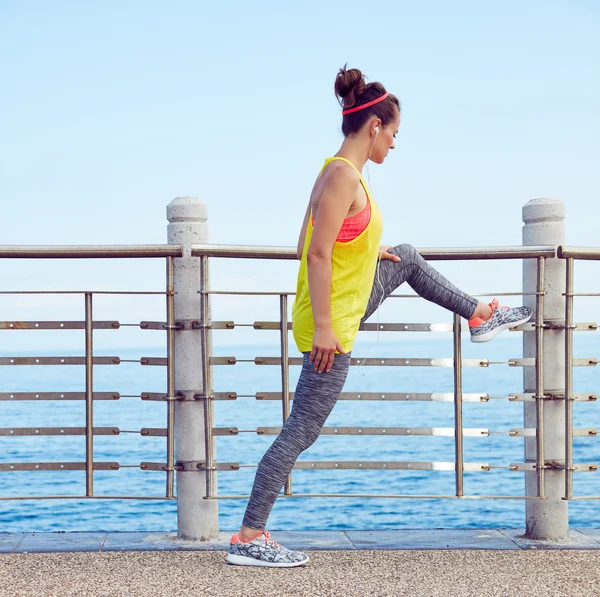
<point>263,551</point>
<point>502,318</point>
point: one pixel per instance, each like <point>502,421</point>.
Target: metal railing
<point>168,252</point>
<point>540,254</point>
<point>570,254</point>
<point>207,396</point>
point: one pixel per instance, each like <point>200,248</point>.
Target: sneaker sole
<point>246,561</point>
<point>493,333</point>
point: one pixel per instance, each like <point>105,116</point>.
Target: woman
<point>337,290</point>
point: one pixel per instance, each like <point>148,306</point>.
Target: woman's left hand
<point>385,254</point>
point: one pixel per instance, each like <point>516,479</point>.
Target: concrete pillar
<point>544,225</point>
<point>197,518</point>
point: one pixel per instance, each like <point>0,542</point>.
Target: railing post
<point>548,518</point>
<point>197,518</point>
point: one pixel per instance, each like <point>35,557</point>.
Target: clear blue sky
<point>111,109</point>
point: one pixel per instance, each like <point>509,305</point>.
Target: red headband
<point>367,105</point>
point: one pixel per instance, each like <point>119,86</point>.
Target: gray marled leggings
<point>316,394</point>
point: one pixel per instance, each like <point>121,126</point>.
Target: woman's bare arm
<point>335,202</point>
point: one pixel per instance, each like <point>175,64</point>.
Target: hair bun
<point>349,86</point>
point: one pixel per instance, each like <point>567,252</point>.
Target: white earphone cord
<point>377,279</point>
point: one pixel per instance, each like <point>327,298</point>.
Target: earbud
<point>376,130</point>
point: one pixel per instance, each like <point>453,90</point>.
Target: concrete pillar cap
<point>187,209</point>
<point>543,210</point>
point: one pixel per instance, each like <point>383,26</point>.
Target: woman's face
<point>385,140</point>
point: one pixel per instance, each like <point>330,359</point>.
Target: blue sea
<point>131,414</point>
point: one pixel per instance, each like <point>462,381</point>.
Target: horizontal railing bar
<point>57,361</point>
<point>56,466</point>
<point>530,397</point>
<point>153,361</point>
<point>57,396</point>
<point>185,325</point>
<point>251,292</point>
<point>383,327</point>
<point>532,432</point>
<point>292,293</point>
<point>153,325</point>
<point>373,362</point>
<point>413,431</point>
<point>364,465</point>
<point>405,396</point>
<point>387,327</point>
<point>89,251</point>
<point>57,325</point>
<point>531,466</point>
<point>152,431</point>
<point>501,294</point>
<point>244,251</point>
<point>82,292</point>
<point>453,253</point>
<point>569,252</point>
<point>39,431</point>
<point>86,497</point>
<point>376,465</point>
<point>155,396</point>
<point>162,466</point>
<point>385,496</point>
<point>330,465</point>
<point>530,362</point>
<point>587,326</point>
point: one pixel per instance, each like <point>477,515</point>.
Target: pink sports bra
<point>355,225</point>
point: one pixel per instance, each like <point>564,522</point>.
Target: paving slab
<point>575,540</point>
<point>432,539</point>
<point>140,542</point>
<point>593,533</point>
<point>51,542</point>
<point>337,540</point>
<point>9,541</point>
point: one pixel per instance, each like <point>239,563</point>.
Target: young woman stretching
<point>339,254</point>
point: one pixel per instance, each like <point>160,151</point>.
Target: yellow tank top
<point>353,271</point>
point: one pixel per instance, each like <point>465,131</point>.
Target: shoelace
<point>495,305</point>
<point>270,541</point>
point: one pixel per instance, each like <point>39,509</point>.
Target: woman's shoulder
<point>339,173</point>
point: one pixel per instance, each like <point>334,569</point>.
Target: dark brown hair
<point>352,91</point>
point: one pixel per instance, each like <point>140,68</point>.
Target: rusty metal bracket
<point>159,397</point>
<point>195,466</point>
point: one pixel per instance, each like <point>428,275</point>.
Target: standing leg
<point>314,398</point>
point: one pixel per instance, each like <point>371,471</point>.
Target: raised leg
<point>423,279</point>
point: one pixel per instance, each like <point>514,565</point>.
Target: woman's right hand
<point>325,343</point>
